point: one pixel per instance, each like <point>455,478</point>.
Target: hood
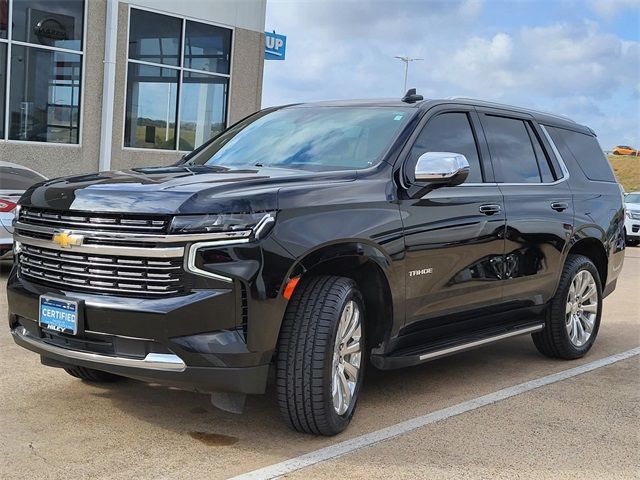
<point>173,190</point>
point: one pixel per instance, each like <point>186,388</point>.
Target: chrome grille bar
<point>25,229</point>
<point>93,221</point>
<point>168,252</point>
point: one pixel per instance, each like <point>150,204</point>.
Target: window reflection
<point>151,107</point>
<point>4,18</point>
<point>207,47</point>
<point>45,22</point>
<point>154,92</point>
<point>154,38</point>
<point>44,103</point>
<point>203,108</point>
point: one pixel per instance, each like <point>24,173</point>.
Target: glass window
<point>3,80</point>
<point>543,161</point>
<point>309,138</point>
<point>151,107</point>
<point>201,96</point>
<point>448,132</point>
<point>44,98</point>
<point>4,18</point>
<point>586,151</point>
<point>511,149</point>
<point>207,47</point>
<point>202,108</point>
<point>13,178</point>
<point>154,38</point>
<point>45,22</point>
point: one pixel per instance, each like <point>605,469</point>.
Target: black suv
<point>314,239</point>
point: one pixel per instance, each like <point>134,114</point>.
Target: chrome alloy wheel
<point>582,308</point>
<point>347,356</point>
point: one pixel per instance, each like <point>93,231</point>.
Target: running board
<point>426,353</point>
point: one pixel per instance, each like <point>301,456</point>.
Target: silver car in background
<point>14,180</point>
<point>632,218</point>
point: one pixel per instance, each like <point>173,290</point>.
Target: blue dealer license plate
<point>59,315</point>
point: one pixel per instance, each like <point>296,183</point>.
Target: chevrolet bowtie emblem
<point>67,239</point>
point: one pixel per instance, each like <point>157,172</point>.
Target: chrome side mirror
<point>442,168</point>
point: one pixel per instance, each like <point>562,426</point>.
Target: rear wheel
<point>573,316</point>
<point>91,375</point>
<point>320,364</point>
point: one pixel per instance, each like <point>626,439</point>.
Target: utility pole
<point>406,61</point>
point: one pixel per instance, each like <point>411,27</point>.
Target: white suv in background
<point>14,180</point>
<point>632,218</point>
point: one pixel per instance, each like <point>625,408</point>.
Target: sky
<point>579,58</point>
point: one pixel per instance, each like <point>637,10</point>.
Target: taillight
<point>6,206</point>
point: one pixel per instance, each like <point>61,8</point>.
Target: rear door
<point>454,236</point>
<point>538,204</point>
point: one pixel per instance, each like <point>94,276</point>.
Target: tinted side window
<point>587,152</point>
<point>448,132</point>
<point>543,160</point>
<point>511,149</point>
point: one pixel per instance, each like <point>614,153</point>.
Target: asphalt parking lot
<point>584,426</point>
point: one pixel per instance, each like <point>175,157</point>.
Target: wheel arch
<point>594,250</point>
<point>370,267</point>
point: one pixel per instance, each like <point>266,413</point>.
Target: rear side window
<point>586,151</point>
<point>543,160</point>
<point>448,132</point>
<point>12,178</point>
<point>511,149</point>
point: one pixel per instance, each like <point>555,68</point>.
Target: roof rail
<point>496,104</point>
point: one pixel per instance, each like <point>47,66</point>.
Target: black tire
<point>553,341</point>
<point>91,375</point>
<point>305,355</point>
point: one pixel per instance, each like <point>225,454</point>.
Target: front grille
<point>99,221</point>
<point>130,276</point>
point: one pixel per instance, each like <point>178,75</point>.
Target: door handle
<point>490,209</point>
<point>559,206</point>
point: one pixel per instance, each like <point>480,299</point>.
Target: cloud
<point>609,9</point>
<point>553,61</point>
<point>345,49</point>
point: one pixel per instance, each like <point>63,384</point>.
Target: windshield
<point>312,138</point>
<point>632,198</point>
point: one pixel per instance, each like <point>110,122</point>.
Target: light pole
<point>406,61</point>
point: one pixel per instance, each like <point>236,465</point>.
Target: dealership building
<point>90,85</point>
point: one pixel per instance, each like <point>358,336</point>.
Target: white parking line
<point>368,439</point>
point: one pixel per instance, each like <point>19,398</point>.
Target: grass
<point>627,170</point>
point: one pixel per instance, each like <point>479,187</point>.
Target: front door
<point>454,235</point>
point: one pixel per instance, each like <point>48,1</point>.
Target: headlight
<point>224,222</point>
<point>628,214</point>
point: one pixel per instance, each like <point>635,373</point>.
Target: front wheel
<point>573,316</point>
<point>320,355</point>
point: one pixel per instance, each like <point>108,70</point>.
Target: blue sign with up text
<point>275,46</point>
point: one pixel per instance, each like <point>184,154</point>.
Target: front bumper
<point>161,368</point>
<point>190,341</point>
